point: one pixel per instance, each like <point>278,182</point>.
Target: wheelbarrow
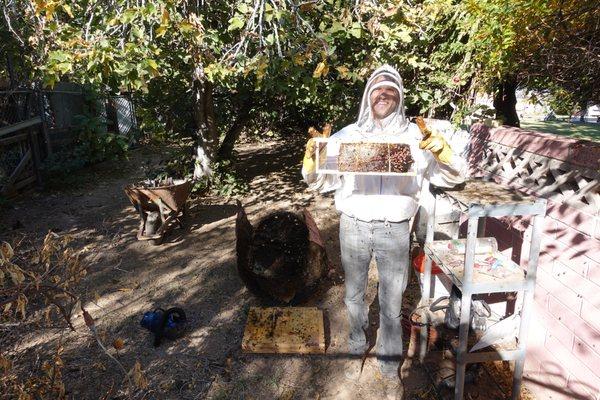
<point>159,207</point>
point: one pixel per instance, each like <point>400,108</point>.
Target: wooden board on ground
<point>284,330</point>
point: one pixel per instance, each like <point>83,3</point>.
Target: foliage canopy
<point>210,69</point>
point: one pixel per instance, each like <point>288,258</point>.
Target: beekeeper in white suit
<point>375,212</point>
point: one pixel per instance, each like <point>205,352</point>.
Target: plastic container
<point>419,264</point>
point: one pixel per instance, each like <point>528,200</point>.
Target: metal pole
<point>465,308</point>
<point>426,295</point>
<point>534,252</point>
<point>481,227</point>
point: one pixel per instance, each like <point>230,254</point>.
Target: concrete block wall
<point>563,360</point>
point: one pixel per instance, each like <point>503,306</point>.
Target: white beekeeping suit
<point>375,213</point>
<point>384,198</point>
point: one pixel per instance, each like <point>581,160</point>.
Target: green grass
<point>574,130</point>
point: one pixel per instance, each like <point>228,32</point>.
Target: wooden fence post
<point>37,163</point>
<point>44,122</point>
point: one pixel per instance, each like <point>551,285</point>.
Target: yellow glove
<point>434,142</point>
<point>309,165</point>
<point>438,147</point>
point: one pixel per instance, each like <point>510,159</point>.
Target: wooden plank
<point>297,330</point>
<point>13,139</point>
<point>21,125</point>
<point>12,190</point>
<point>24,183</point>
<point>19,169</point>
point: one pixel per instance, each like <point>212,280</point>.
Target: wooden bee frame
<point>330,165</point>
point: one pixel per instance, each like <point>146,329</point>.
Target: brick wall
<point>563,360</point>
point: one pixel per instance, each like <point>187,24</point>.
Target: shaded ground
<point>196,269</point>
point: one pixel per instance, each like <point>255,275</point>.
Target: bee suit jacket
<point>384,197</point>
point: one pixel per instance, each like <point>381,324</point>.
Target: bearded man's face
<point>384,100</point>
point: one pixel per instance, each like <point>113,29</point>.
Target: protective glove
<point>309,165</point>
<point>435,142</point>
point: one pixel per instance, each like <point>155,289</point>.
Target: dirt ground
<point>195,269</point>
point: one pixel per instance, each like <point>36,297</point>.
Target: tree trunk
<point>505,102</point>
<point>583,106</point>
<point>226,148</point>
<point>11,72</point>
<point>204,116</point>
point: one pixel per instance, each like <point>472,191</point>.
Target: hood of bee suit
<point>396,122</point>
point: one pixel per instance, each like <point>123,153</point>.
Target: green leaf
<point>268,16</point>
<point>336,27</point>
<point>413,61</point>
<point>128,16</point>
<point>356,30</point>
<point>404,36</point>
<point>235,23</point>
<point>160,31</point>
<point>137,32</point>
<point>67,9</point>
<point>152,64</point>
<point>64,67</point>
<point>186,27</point>
<point>58,55</point>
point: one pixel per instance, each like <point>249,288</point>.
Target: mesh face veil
<point>396,121</point>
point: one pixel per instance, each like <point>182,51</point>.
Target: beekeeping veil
<point>396,122</point>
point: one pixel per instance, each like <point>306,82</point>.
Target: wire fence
<point>126,121</point>
<point>17,106</point>
<point>115,114</point>
<point>18,134</point>
<point>34,123</point>
<point>61,111</point>
<point>10,156</point>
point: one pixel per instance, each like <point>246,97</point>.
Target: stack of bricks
<point>563,353</point>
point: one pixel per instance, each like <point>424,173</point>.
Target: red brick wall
<point>563,359</point>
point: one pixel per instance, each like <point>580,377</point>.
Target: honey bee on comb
<point>400,159</point>
<point>375,157</point>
